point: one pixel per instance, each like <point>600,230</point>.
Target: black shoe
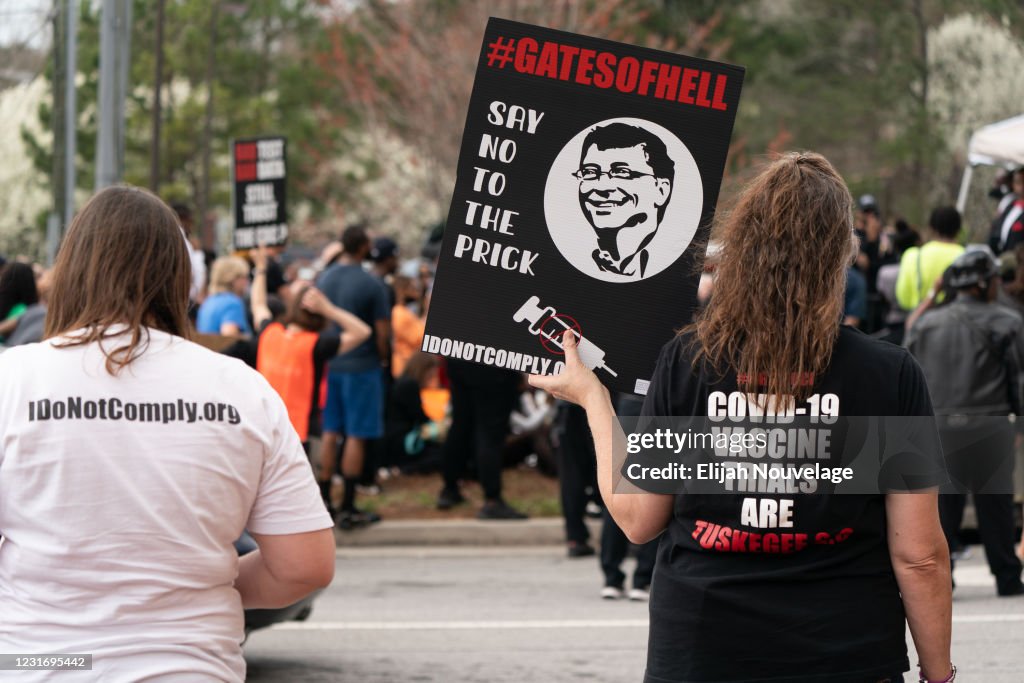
<point>449,498</point>
<point>1005,590</point>
<point>499,509</point>
<point>369,517</point>
<point>352,519</point>
<point>577,549</point>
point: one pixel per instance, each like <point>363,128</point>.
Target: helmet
<point>974,267</point>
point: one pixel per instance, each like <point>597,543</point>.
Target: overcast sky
<point>25,21</point>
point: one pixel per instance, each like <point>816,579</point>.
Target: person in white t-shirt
<point>131,459</point>
<point>197,290</point>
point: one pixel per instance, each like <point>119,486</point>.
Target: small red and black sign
<point>259,171</point>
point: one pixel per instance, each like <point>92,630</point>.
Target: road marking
<point>986,618</point>
<point>973,575</point>
<point>457,625</point>
<point>540,624</point>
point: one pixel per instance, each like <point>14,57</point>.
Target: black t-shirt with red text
<point>815,601</point>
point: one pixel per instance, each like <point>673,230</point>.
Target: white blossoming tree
<point>23,194</point>
<point>976,77</point>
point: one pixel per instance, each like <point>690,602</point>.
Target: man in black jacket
<point>972,352</point>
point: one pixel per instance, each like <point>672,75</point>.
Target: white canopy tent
<point>997,144</point>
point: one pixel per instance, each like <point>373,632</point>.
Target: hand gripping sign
<point>541,320</point>
<point>587,179</point>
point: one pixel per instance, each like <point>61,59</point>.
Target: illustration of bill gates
<point>625,178</point>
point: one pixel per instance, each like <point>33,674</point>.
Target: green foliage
<point>848,78</point>
<point>262,85</point>
<point>343,80</point>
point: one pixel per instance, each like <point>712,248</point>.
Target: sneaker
<point>1006,590</point>
<point>611,593</point>
<point>499,509</point>
<point>593,510</point>
<point>368,490</point>
<point>367,516</point>
<point>962,553</point>
<point>449,498</point>
<point>580,549</point>
<point>352,519</point>
<point>639,594</point>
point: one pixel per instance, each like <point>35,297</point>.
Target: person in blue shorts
<point>355,380</point>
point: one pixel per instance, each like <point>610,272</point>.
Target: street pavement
<point>531,615</point>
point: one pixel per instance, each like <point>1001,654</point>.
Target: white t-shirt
<point>120,497</point>
<point>198,260</point>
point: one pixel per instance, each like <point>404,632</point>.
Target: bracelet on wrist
<point>948,679</point>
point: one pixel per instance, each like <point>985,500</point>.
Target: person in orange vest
<point>292,354</point>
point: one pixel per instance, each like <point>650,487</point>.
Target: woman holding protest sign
<point>729,602</point>
<point>131,459</point>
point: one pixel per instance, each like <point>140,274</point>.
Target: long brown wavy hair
<point>123,262</point>
<point>775,312</point>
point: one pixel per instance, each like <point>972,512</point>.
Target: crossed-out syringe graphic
<point>590,354</point>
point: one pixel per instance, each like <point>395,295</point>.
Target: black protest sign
<point>259,171</point>
<point>587,182</point>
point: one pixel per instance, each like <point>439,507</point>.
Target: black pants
<point>480,417</point>
<point>576,469</point>
<point>995,526</point>
<point>614,546</point>
<point>427,461</point>
<point>981,459</point>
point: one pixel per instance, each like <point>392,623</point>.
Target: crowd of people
<point>337,338</point>
<point>958,309</point>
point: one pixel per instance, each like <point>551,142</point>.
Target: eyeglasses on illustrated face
<point>621,173</point>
